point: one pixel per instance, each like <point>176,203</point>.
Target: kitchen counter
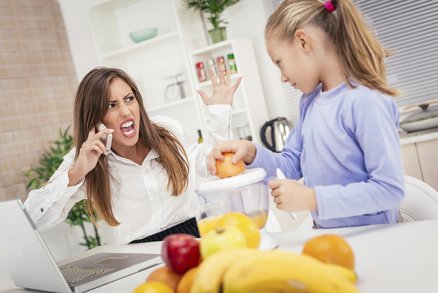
<point>398,258</point>
<point>418,136</point>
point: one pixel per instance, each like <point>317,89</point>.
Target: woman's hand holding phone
<point>89,154</point>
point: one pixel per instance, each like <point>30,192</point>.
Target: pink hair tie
<point>329,6</point>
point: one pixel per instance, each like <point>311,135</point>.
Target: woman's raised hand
<point>89,154</point>
<point>223,91</point>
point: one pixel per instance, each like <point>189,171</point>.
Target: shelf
<point>159,40</point>
<point>171,104</point>
<point>208,83</point>
<point>210,48</point>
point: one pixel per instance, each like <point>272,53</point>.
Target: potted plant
<point>39,175</point>
<point>213,9</point>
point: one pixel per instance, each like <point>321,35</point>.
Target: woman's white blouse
<point>141,203</point>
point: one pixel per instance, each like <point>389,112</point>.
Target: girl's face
<point>297,65</point>
<point>123,115</point>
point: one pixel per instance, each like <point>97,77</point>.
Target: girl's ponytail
<point>360,51</point>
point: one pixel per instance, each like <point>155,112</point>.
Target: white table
<point>389,258</point>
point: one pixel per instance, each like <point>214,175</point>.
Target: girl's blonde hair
<point>91,104</point>
<point>359,50</point>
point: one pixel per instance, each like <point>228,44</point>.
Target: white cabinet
<point>420,160</point>
<point>158,65</point>
<point>249,108</point>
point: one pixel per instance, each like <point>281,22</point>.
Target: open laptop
<point>31,265</point>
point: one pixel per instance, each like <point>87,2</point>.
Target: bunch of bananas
<point>250,270</point>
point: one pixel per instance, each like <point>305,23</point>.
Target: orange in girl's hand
<point>330,248</point>
<point>225,168</point>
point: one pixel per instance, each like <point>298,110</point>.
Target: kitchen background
<point>47,46</point>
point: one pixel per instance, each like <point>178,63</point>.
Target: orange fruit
<point>225,168</point>
<point>244,223</point>
<point>330,248</point>
<point>186,282</point>
<point>166,276</point>
<point>153,287</point>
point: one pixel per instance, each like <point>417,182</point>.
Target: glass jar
<point>212,66</point>
<point>221,63</point>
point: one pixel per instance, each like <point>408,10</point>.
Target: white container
<point>245,193</point>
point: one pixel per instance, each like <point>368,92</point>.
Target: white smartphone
<point>106,139</point>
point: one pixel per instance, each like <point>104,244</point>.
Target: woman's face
<point>123,115</point>
<point>297,67</point>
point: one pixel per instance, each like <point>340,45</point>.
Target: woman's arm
<point>50,204</point>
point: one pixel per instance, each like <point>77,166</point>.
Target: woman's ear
<point>303,40</point>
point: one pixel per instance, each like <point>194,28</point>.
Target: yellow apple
<point>221,239</point>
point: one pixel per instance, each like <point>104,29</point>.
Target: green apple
<point>221,239</point>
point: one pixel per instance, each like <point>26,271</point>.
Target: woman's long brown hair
<point>359,50</point>
<point>91,104</point>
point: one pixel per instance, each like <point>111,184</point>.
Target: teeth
<point>127,124</point>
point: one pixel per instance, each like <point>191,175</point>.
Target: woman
<point>146,182</point>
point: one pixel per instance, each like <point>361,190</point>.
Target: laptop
<point>31,265</point>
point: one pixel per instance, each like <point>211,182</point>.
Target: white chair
<point>420,202</point>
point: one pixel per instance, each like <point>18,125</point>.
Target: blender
<point>246,193</point>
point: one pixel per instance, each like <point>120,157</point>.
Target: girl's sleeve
<point>373,121</point>
<point>50,204</point>
<point>289,160</point>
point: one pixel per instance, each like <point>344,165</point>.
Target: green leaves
<point>213,8</point>
<point>40,175</point>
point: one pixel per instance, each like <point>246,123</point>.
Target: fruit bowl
<point>143,34</point>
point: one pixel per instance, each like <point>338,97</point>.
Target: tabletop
<point>389,258</point>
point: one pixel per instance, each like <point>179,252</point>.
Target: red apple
<point>180,252</point>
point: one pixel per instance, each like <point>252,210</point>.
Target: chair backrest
<point>420,202</point>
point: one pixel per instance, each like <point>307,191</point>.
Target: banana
<point>209,276</point>
<point>281,271</point>
<point>343,271</point>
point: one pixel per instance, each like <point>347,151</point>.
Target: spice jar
<point>232,63</point>
<point>200,71</point>
<point>211,66</point>
<point>221,63</point>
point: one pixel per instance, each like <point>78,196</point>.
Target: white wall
<point>246,20</point>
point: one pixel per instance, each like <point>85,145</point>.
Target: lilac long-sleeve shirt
<point>346,146</point>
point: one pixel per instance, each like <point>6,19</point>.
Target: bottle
<point>232,63</point>
<point>212,66</point>
<point>200,140</point>
<point>200,71</point>
<point>221,63</point>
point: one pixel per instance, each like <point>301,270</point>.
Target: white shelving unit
<point>153,63</point>
<point>249,107</point>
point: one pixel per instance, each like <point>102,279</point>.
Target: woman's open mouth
<point>127,128</point>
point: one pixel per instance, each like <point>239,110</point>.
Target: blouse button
<point>42,210</point>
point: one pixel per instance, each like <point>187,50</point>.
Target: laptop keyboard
<point>73,274</point>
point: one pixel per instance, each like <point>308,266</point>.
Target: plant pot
<point>218,34</point>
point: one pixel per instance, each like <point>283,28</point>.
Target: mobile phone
<point>107,139</point>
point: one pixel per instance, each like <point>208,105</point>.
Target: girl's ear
<point>303,39</point>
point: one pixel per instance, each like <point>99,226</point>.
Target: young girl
<point>345,145</point>
<point>144,187</point>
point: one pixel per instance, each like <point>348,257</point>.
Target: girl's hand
<point>242,149</point>
<point>89,154</point>
<point>223,91</point>
<point>289,195</point>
